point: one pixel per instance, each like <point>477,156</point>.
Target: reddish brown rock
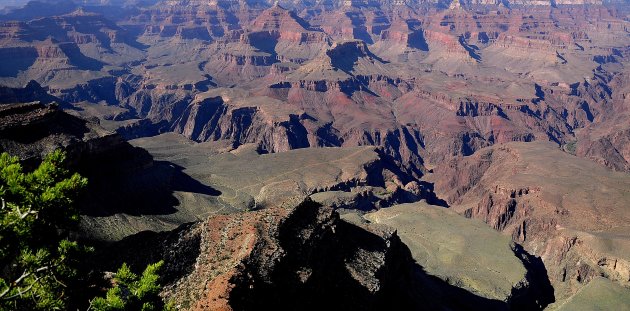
<point>562,208</point>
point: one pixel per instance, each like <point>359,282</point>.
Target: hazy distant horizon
<point>10,3</point>
<point>20,3</point>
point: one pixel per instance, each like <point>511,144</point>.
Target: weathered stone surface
<point>424,84</point>
<point>463,252</point>
<point>248,179</point>
<point>428,85</point>
<point>293,257</point>
<point>32,130</point>
<point>569,211</point>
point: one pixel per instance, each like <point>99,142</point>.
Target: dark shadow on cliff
<point>324,264</point>
<point>143,128</point>
<point>264,41</point>
<point>29,130</point>
<point>339,276</point>
<point>412,172</point>
<point>471,49</point>
<point>121,178</point>
<point>78,59</point>
<point>178,248</point>
<point>359,29</point>
<point>16,60</point>
<point>542,292</point>
<point>430,196</point>
<point>31,92</point>
<point>315,272</point>
<point>51,123</point>
<point>345,58</point>
<point>418,41</point>
<point>145,190</point>
<point>443,296</point>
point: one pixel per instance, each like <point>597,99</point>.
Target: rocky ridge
<point>440,90</point>
<point>512,189</point>
<point>306,250</point>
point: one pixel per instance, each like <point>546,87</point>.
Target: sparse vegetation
<point>570,147</point>
<point>41,267</point>
<point>39,262</point>
<point>133,292</point>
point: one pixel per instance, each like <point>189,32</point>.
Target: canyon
<point>443,155</point>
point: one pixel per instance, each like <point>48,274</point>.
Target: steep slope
<point>571,212</point>
<point>290,37</point>
<point>299,255</point>
<point>468,254</point>
<point>456,80</point>
<point>607,140</point>
<point>32,130</point>
<point>599,293</point>
<point>64,51</point>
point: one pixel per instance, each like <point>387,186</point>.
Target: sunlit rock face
<point>512,113</point>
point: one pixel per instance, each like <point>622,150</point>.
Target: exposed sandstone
<point>289,257</point>
<point>561,208</point>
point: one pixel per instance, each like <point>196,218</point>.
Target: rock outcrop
<point>468,254</point>
<point>456,80</point>
<point>561,208</point>
<point>290,258</point>
<point>32,130</point>
<point>300,255</point>
<point>358,104</point>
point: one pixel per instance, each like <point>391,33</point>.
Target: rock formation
<point>303,255</point>
<point>514,113</point>
<point>561,208</point>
